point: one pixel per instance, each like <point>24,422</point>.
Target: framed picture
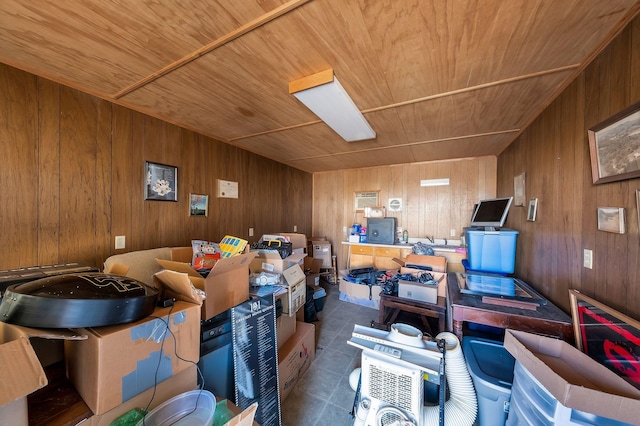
<point>638,206</point>
<point>532,210</point>
<point>198,205</point>
<point>611,219</point>
<point>614,145</point>
<point>161,182</point>
<point>606,335</point>
<point>518,190</point>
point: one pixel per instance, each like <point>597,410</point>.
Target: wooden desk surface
<point>547,319</point>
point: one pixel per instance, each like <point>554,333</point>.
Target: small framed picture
<point>532,210</point>
<point>161,182</point>
<point>198,205</point>
<point>611,219</point>
<point>638,205</point>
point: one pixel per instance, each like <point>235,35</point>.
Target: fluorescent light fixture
<point>434,182</point>
<point>323,94</point>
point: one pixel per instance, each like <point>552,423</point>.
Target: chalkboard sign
<point>607,336</point>
<point>255,358</point>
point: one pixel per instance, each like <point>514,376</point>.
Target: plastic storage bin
<point>491,251</point>
<point>491,369</point>
<point>532,404</point>
<point>319,295</point>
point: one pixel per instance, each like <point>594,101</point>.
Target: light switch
<point>120,242</point>
<point>251,232</point>
<point>588,259</point>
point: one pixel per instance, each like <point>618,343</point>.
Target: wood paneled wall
<point>72,179</point>
<point>554,154</point>
<point>427,211</point>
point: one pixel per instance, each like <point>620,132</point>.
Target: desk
<point>424,309</point>
<point>547,319</point>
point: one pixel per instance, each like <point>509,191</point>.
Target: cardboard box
<point>310,244</point>
<point>421,292</point>
<point>181,382</point>
<point>22,372</point>
<point>296,356</point>
<point>360,294</point>
<point>226,286</point>
<point>296,291</point>
<point>241,418</point>
<point>270,261</point>
<point>322,251</point>
<point>118,362</point>
<point>441,277</point>
<point>312,270</point>
<point>573,378</point>
<point>437,263</point>
<point>285,328</point>
<point>298,241</point>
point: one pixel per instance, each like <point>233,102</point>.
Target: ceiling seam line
<point>424,99</point>
<point>410,144</point>
<point>221,41</point>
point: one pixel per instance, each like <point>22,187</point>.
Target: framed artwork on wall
<point>614,146</point>
<point>638,206</point>
<point>198,205</point>
<point>611,219</point>
<point>161,182</point>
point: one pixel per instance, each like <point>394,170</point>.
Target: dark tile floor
<point>323,396</point>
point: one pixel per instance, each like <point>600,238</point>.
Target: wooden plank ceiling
<point>436,79</point>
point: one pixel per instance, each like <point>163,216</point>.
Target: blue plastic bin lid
<point>319,293</point>
<point>489,361</point>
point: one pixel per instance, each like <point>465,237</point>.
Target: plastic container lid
<point>319,294</point>
<point>193,408</point>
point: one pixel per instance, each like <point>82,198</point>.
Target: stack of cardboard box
<point>117,368</point>
<point>295,338</point>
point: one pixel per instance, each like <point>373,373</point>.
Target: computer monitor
<point>491,214</point>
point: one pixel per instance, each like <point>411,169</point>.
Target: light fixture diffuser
<point>323,94</point>
<point>434,182</point>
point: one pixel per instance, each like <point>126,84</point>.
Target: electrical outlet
<point>295,228</point>
<point>120,242</point>
<point>588,259</point>
<point>251,232</point>
<point>452,233</point>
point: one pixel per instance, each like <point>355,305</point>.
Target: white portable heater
<point>395,392</point>
<point>394,368</point>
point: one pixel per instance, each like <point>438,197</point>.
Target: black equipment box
<point>381,230</point>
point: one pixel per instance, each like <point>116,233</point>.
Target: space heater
<point>395,367</point>
<point>395,392</point>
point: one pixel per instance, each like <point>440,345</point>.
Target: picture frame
<point>614,146</point>
<point>638,206</point>
<point>611,219</point>
<point>160,182</point>
<point>198,205</point>
<point>606,335</point>
<point>532,210</point>
<point>519,190</point>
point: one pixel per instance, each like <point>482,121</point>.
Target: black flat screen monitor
<point>492,213</point>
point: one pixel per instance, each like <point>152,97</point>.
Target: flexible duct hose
<point>462,407</point>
